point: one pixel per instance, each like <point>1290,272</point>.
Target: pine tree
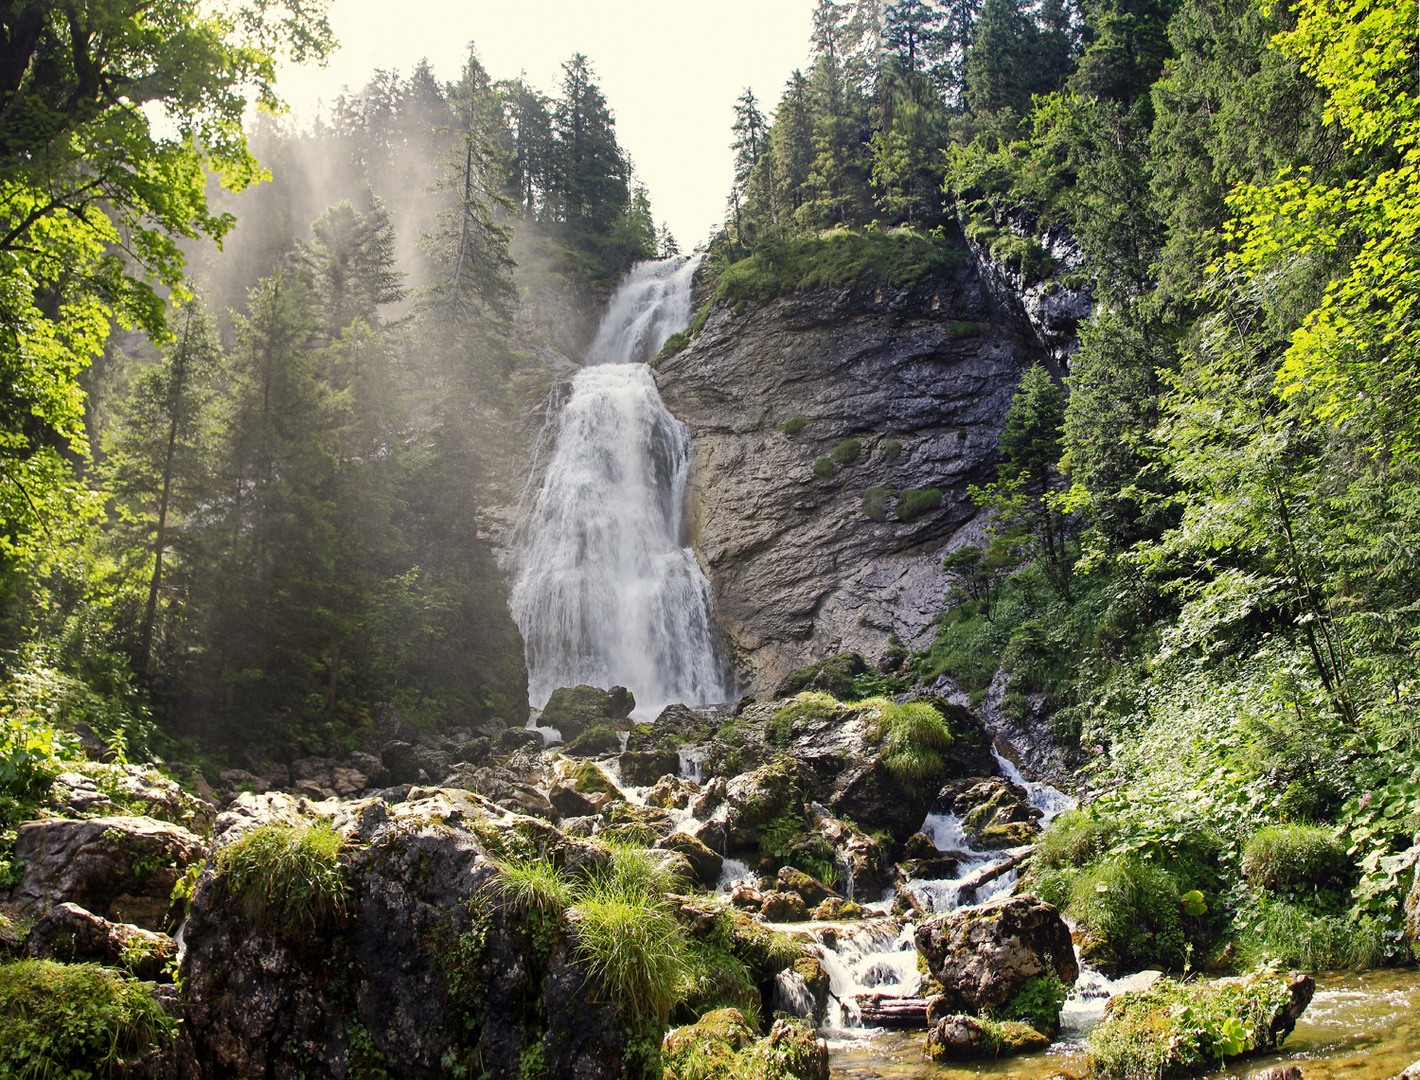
<point>792,138</point>
<point>590,174</point>
<point>912,33</point>
<point>349,265</point>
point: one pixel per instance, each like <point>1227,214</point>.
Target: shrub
<point>1073,839</point>
<point>912,504</point>
<point>631,943</point>
<point>889,451</point>
<point>913,736</point>
<point>1181,1029</point>
<point>1283,857</point>
<point>75,1021</point>
<point>808,705</point>
<point>287,879</point>
<point>834,674</point>
<point>674,344</point>
<point>823,468</point>
<point>846,452</point>
<point>1131,914</point>
<point>794,426</point>
<point>1038,1003</point>
<point>875,502</point>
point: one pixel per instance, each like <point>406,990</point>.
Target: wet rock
<point>376,775</point>
<point>72,934</point>
<point>994,812</point>
<point>704,863</point>
<point>712,1041</point>
<point>747,898</point>
<point>571,710</point>
<point>583,789</point>
<point>784,907</point>
<point>641,768</point>
<point>793,1049</point>
<point>801,991</point>
<point>672,793</point>
<point>919,846</point>
<point>122,868</point>
<point>836,909</point>
<point>894,1013</point>
<point>942,868</point>
<point>971,1038</point>
<point>812,891</point>
<point>1285,1072</point>
<point>983,955</point>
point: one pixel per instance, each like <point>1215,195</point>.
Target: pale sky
<point>670,71</point>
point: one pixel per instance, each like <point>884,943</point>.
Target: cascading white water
<point>607,591</point>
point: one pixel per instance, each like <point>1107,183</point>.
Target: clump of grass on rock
<point>913,736</point>
<point>846,452</point>
<point>287,879</point>
<point>1282,857</point>
<point>912,504</point>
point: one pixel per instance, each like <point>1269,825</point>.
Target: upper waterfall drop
<point>607,591</point>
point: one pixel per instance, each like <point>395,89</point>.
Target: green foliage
<point>794,426</point>
<point>632,944</point>
<point>846,452</point>
<point>875,500</point>
<point>823,468</point>
<point>286,879</point>
<point>1073,839</point>
<point>597,739</point>
<point>912,504</point>
<point>1131,914</point>
<point>1038,1003</point>
<point>889,450</point>
<point>674,344</point>
<point>1285,857</point>
<point>833,258</point>
<point>1177,1029</point>
<point>1294,935</point>
<point>75,1021</point>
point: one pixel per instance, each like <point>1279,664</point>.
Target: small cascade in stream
<point>607,592</point>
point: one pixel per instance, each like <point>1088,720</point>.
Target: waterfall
<point>607,591</point>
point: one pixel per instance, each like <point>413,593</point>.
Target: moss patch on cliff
<point>912,504</point>
<point>835,258</point>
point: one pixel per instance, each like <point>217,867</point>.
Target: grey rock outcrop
<point>921,376</point>
<point>71,934</point>
<point>121,868</point>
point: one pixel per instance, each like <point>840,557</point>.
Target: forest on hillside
<point>1204,540</point>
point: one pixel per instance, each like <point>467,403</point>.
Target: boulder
<point>712,1042</point>
<point>812,891</point>
<point>801,991</point>
<point>704,863</point>
<point>784,907</point>
<point>583,789</point>
<point>503,787</point>
<point>101,789</point>
<point>402,761</point>
<point>121,868</point>
<point>746,898</point>
<point>571,710</point>
<point>249,810</point>
<point>434,964</point>
<point>836,909</point>
<point>71,934</point>
<point>750,802</point>
<point>642,768</point>
<point>971,1038</point>
<point>376,775</point>
<point>672,793</point>
<point>792,1049</point>
<point>983,955</point>
<point>511,740</point>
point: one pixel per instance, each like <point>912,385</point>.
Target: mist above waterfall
<point>608,593</point>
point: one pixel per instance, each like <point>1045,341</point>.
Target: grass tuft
<point>913,735</point>
<point>912,504</point>
<point>287,879</point>
<point>1287,856</point>
<point>846,452</point>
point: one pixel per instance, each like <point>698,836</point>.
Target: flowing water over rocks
<point>608,592</point>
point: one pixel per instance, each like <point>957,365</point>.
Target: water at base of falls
<point>607,592</point>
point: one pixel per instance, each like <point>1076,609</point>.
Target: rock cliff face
<point>922,377</point>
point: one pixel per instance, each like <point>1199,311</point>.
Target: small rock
<point>812,891</point>
<point>747,898</point>
<point>969,1038</point>
<point>672,793</point>
<point>837,909</point>
<point>704,863</point>
<point>376,775</point>
<point>1282,1072</point>
<point>72,934</point>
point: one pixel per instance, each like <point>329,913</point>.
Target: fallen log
<point>894,1013</point>
<point>966,892</point>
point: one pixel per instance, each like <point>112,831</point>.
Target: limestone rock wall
<point>799,568</point>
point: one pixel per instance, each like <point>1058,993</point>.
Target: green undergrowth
<point>913,504</point>
<point>913,736</point>
<point>287,880</point>
<point>75,1021</point>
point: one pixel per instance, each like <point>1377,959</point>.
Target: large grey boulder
<point>983,955</point>
<point>571,710</point>
<point>121,868</point>
<point>71,934</point>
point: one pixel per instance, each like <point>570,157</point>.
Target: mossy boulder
<point>710,1043</point>
<point>784,907</point>
<point>1187,1029</point>
<point>836,909</point>
<point>595,741</point>
<point>642,768</point>
<point>513,739</point>
<point>571,710</point>
<point>983,955</point>
<point>994,812</point>
<point>812,891</point>
<point>801,991</point>
<point>959,1037</point>
<point>705,864</point>
<point>582,790</point>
